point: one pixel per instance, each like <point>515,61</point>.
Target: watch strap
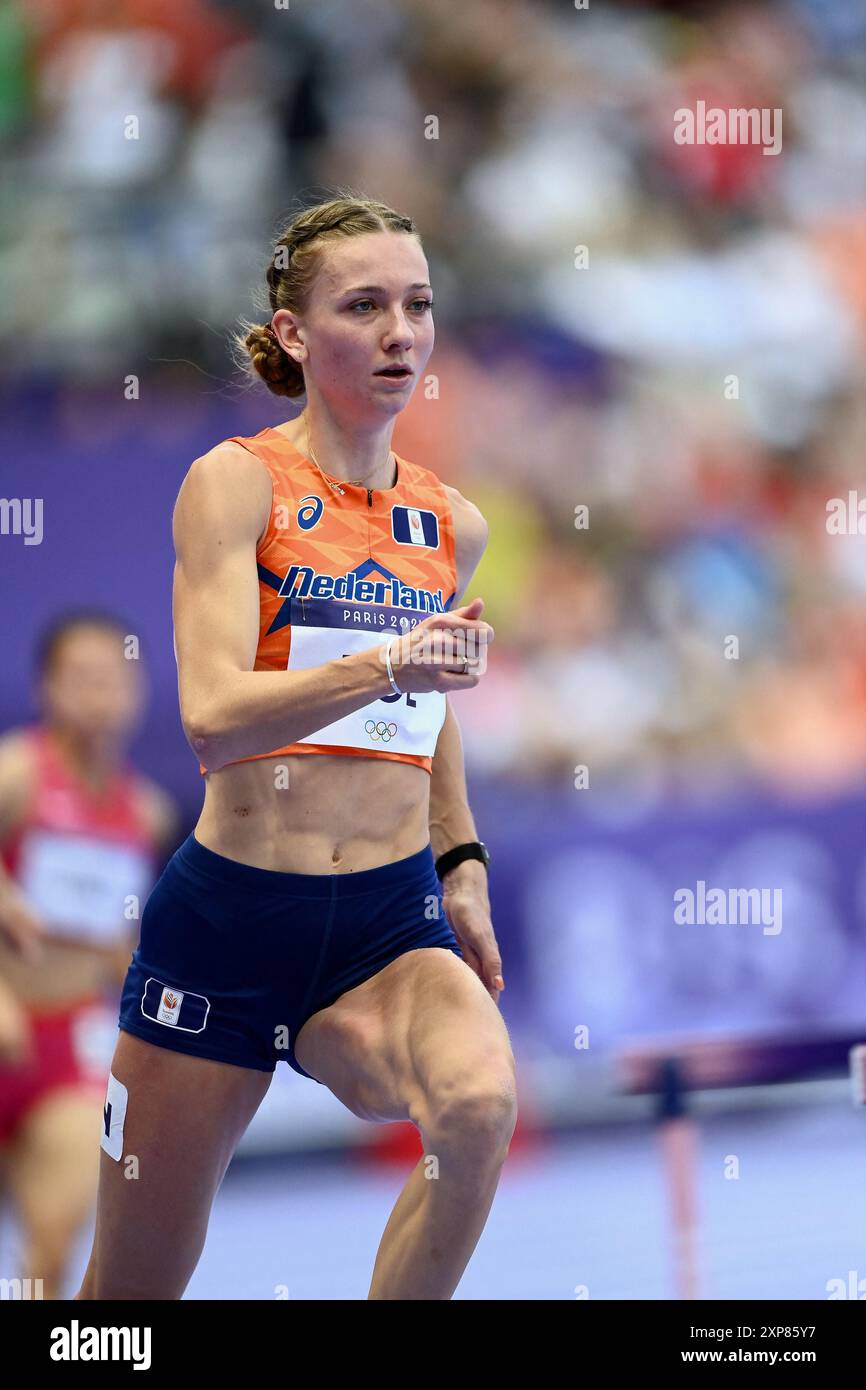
<point>473,849</point>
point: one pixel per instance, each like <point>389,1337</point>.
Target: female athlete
<point>80,830</point>
<point>303,918</point>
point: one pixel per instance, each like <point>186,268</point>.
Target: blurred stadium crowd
<point>693,377</point>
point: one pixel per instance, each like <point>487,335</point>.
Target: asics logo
<point>310,511</point>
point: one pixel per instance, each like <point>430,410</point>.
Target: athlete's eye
<point>426,304</point>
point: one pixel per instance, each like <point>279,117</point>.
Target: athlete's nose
<point>400,334</point>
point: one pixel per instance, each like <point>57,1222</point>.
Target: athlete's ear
<point>292,342</point>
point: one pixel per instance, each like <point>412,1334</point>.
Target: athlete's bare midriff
<point>338,815</point>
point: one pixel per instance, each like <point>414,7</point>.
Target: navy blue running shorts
<point>233,960</point>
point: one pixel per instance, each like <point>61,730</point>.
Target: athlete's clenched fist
<point>447,651</point>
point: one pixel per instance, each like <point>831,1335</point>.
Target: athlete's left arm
<point>464,888</point>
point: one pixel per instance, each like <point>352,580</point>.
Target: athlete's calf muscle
<point>183,1119</point>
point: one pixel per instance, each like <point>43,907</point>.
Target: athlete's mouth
<point>396,371</point>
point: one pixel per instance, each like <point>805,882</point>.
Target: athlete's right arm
<point>20,927</point>
<point>228,710</point>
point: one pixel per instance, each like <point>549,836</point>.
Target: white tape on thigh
<point>113,1115</point>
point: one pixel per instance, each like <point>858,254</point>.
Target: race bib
<point>327,629</point>
<point>79,886</point>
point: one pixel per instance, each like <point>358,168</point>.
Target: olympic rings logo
<point>378,729</point>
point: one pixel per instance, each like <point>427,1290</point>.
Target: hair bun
<point>278,370</point>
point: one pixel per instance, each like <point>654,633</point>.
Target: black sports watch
<point>474,849</point>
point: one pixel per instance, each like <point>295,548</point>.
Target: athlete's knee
<point>475,1116</point>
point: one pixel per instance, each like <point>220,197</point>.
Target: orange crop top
<point>339,572</point>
